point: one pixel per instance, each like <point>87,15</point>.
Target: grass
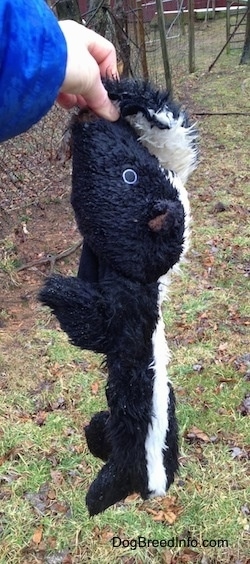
<point>49,390</point>
<point>8,258</point>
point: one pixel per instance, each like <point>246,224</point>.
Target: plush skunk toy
<point>132,209</point>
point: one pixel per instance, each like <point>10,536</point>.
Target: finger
<point>98,101</point>
<point>66,101</point>
<point>103,52</point>
<point>101,107</point>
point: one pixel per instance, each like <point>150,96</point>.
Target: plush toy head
<point>132,209</point>
<point>127,207</point>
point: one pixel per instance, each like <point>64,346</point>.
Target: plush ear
<point>161,125</point>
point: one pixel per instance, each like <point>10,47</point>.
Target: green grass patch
<point>50,390</point>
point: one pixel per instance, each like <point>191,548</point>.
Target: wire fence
<point>133,27</point>
<point>134,30</point>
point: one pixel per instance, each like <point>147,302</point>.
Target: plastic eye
<point>129,176</point>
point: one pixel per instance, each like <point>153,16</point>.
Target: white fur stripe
<point>183,197</point>
<point>155,440</point>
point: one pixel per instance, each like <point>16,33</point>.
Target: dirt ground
<point>36,221</point>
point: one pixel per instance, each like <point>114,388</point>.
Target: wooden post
<point>135,26</point>
<point>191,52</point>
<point>120,22</point>
<point>141,36</point>
<point>245,57</point>
<point>164,50</point>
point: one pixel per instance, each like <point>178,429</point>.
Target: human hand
<point>89,56</point>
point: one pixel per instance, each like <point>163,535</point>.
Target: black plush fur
<point>133,234</point>
<point>136,96</point>
<point>107,208</point>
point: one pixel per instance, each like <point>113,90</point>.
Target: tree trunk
<point>68,10</point>
<point>245,57</point>
<point>111,25</point>
<point>98,18</point>
<point>121,24</point>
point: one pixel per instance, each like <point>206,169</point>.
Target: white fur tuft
<point>173,146</point>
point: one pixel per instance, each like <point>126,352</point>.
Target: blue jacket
<point>33,58</point>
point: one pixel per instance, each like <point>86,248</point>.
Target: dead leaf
<point>56,369</point>
<point>223,347</point>
<point>170,517</point>
<point>59,403</point>
<point>237,452</point>
<point>168,502</point>
<point>228,380</point>
<point>131,497</point>
<point>244,407</point>
<point>166,510</point>
<point>67,559</point>
<point>7,455</point>
<point>60,557</point>
<point>220,207</point>
<point>151,511</point>
<point>198,367</point>
<point>59,507</point>
<point>51,542</point>
<point>208,261</point>
<point>38,499</point>
<point>166,557</point>
<point>94,388</point>
<point>40,418</point>
<point>37,536</point>
<point>51,494</point>
<point>188,555</point>
<point>195,434</point>
<point>160,516</point>
<point>57,477</point>
<point>104,534</point>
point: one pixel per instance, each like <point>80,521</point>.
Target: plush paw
<point>80,310</point>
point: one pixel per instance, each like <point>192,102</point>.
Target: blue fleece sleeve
<point>33,56</point>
